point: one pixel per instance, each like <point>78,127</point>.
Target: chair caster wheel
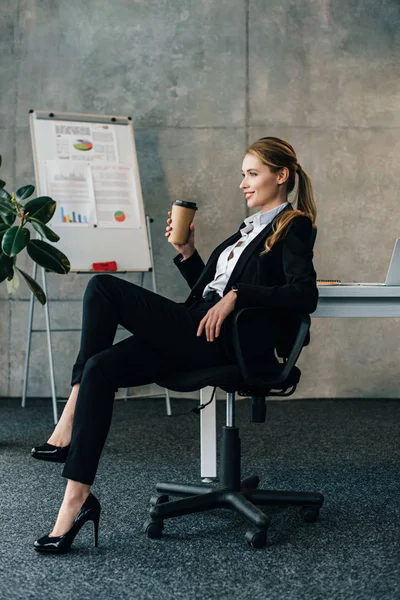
<point>309,514</point>
<point>153,528</point>
<point>251,483</point>
<point>256,539</point>
<point>154,500</point>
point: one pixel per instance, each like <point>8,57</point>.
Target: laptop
<point>393,274</point>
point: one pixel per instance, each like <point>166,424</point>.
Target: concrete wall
<point>201,79</point>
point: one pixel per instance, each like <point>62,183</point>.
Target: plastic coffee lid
<point>186,204</point>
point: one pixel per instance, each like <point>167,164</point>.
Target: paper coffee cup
<point>182,214</point>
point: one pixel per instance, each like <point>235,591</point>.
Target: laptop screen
<point>393,274</point>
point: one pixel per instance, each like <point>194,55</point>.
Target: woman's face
<point>261,187</point>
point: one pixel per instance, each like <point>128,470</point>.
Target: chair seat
<point>229,379</point>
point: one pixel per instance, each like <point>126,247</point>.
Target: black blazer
<point>283,280</point>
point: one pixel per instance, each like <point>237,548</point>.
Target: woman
<point>268,262</point>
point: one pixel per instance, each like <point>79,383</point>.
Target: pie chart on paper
<point>119,216</point>
<point>83,145</point>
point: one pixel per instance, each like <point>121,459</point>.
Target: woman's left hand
<point>212,321</point>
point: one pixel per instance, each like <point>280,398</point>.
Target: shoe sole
<point>49,458</point>
<point>43,551</point>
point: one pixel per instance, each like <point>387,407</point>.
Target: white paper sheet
<point>69,183</point>
<point>93,142</point>
<point>115,196</point>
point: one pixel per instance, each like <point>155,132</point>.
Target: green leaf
<point>7,212</point>
<point>6,266</point>
<point>2,184</point>
<point>3,226</point>
<point>4,195</point>
<point>45,231</point>
<point>15,240</point>
<point>34,286</point>
<point>41,209</point>
<point>7,207</point>
<point>24,192</point>
<point>47,256</point>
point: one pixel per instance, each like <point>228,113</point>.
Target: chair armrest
<point>304,326</point>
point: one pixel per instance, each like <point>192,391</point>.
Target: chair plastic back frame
<point>304,326</point>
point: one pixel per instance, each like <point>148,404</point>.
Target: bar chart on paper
<point>69,183</point>
<point>73,217</point>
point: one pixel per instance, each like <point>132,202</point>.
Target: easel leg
<point>153,279</point>
<point>28,341</point>
<point>50,350</point>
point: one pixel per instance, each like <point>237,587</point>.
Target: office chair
<point>234,493</point>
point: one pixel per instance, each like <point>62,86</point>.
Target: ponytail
<point>276,154</point>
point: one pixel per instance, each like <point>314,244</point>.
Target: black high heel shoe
<point>50,453</point>
<point>90,511</point>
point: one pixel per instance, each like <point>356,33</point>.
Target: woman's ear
<point>283,175</point>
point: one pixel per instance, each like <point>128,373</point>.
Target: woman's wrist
<point>233,292</point>
<point>187,255</point>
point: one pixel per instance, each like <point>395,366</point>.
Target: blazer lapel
<point>248,251</point>
<point>209,270</point>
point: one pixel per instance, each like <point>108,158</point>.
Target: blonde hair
<point>276,154</point>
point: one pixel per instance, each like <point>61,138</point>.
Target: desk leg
<point>208,436</point>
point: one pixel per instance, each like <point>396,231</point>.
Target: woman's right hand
<point>185,249</point>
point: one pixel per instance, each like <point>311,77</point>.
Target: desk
<point>357,301</point>
<point>334,301</point>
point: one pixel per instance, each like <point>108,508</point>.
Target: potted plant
<point>16,237</point>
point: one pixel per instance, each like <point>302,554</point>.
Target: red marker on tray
<point>110,265</point>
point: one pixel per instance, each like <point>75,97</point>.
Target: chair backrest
<point>283,349</point>
<point>313,238</point>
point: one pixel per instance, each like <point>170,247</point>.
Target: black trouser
<point>164,339</point>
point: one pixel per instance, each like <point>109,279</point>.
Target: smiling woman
<point>269,174</point>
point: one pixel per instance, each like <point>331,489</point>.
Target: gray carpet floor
<point>347,449</point>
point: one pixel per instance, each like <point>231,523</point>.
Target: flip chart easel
<point>88,164</point>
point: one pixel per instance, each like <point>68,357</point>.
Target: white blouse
<point>229,257</point>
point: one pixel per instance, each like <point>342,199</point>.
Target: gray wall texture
<point>201,80</point>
